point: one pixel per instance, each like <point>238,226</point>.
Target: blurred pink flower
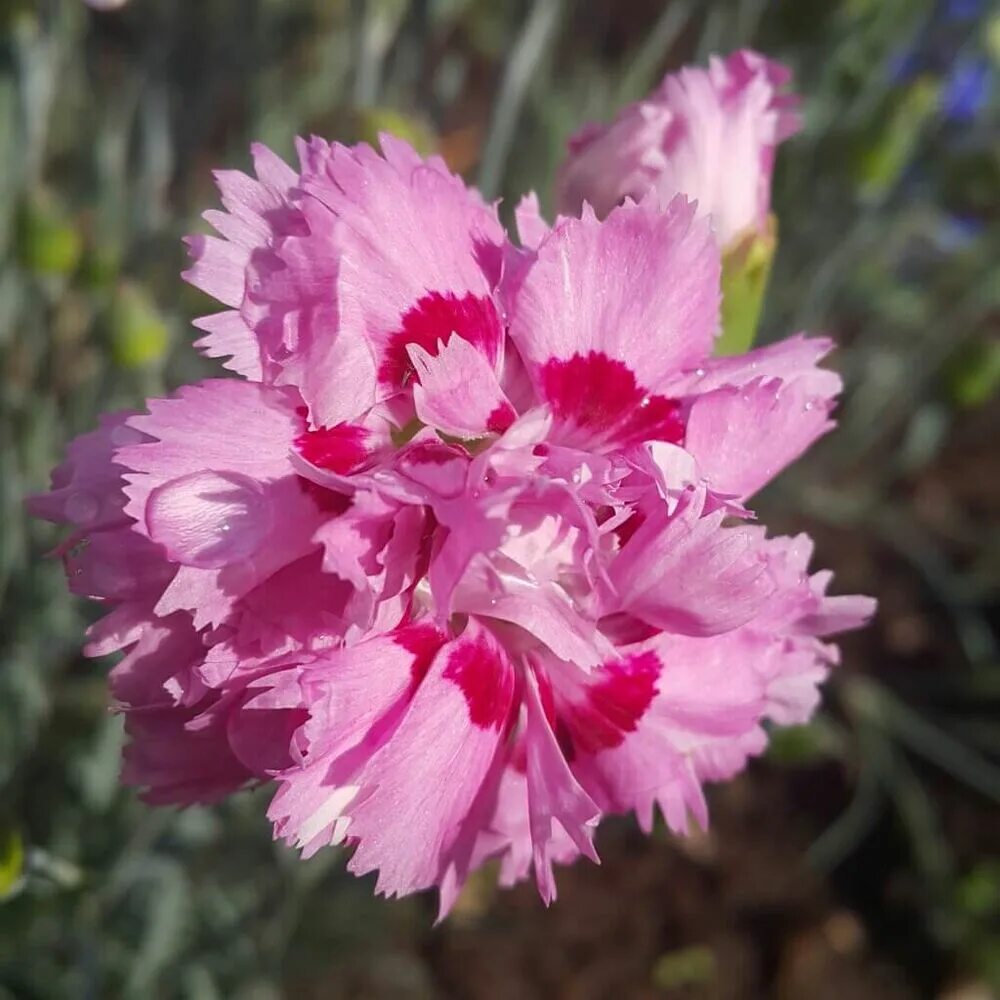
<point>710,134</point>
<point>463,562</point>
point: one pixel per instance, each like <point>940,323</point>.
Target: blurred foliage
<point>110,124</point>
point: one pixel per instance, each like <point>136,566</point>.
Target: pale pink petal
<point>228,337</point>
<point>607,164</point>
<point>260,731</point>
<point>116,564</point>
<point>688,574</point>
<point>406,819</point>
<point>158,671</point>
<point>182,755</point>
<point>356,698</point>
<point>608,313</point>
<point>792,360</point>
<point>555,799</point>
<point>743,437</point>
<point>87,485</point>
<point>350,689</point>
<point>218,268</point>
<point>457,391</point>
<point>709,134</point>
<point>216,488</point>
<point>531,226</point>
<point>416,249</point>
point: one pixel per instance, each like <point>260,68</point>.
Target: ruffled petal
<point>688,574</point>
<point>407,818</point>
<point>608,313</point>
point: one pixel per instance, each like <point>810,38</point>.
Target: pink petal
<point>87,485</point>
<point>458,392</point>
<point>228,336</point>
<point>688,574</point>
<point>554,796</point>
<point>218,268</point>
<point>743,437</point>
<point>453,727</point>
<point>209,519</point>
<point>639,293</point>
<point>182,756</point>
<point>793,359</point>
<point>416,250</point>
<point>683,139</point>
<point>531,227</point>
<point>237,436</point>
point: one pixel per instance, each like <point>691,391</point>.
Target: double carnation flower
<point>462,559</point>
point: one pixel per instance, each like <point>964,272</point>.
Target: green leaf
<point>746,265</point>
<point>979,890</point>
<point>974,376</point>
<point>47,240</point>
<point>803,745</point>
<point>991,35</point>
<point>139,334</point>
<point>693,966</point>
<point>11,863</point>
<point>372,121</point>
<point>883,160</point>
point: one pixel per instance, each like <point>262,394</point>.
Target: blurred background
<point>860,857</point>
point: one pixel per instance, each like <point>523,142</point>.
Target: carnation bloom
<point>463,562</point>
<point>709,134</point>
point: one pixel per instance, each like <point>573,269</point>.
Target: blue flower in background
<point>906,63</point>
<point>958,232</point>
<point>962,10</point>
<point>966,89</point>
<point>935,46</point>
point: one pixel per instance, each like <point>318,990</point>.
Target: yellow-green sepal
<point>746,266</point>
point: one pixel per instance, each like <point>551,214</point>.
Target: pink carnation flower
<point>463,562</point>
<point>709,134</point>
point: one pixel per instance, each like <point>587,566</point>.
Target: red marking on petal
<point>328,501</point>
<point>547,699</point>
<point>423,641</point>
<point>485,679</point>
<point>623,629</point>
<point>613,705</point>
<point>435,318</point>
<point>500,418</point>
<point>599,397</point>
<point>338,449</point>
<point>261,738</point>
<point>519,757</point>
<point>426,546</point>
<point>628,528</point>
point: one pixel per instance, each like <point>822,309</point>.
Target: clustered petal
<point>462,562</point>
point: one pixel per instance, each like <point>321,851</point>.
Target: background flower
<point>710,134</point>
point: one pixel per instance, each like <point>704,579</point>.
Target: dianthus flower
<point>710,134</point>
<point>463,561</point>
